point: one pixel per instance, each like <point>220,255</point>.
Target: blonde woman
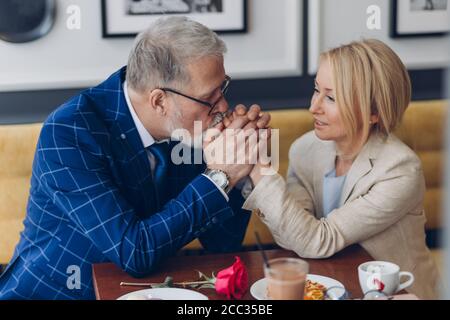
<point>351,180</point>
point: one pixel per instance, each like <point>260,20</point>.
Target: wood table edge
<point>97,293</point>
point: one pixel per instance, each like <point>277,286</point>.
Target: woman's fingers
<point>240,110</point>
<point>253,113</point>
<point>264,120</point>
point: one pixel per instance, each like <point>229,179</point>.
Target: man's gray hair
<point>161,53</point>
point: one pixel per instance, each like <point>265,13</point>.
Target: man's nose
<point>221,106</point>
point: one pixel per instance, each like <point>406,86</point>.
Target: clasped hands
<point>235,145</point>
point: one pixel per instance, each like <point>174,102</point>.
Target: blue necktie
<point>160,176</point>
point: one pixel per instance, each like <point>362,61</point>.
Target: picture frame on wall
<point>420,18</point>
<point>126,18</point>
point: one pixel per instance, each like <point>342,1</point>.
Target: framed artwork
<point>419,18</point>
<point>126,18</point>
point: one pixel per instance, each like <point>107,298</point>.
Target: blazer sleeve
<point>296,229</point>
<point>299,191</point>
<point>228,235</point>
<point>76,176</point>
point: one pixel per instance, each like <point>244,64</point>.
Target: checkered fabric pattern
<point>92,200</point>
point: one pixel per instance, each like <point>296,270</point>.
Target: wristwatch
<point>220,178</point>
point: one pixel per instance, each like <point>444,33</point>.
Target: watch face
<point>219,178</point>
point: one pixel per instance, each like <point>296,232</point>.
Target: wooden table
<point>342,267</point>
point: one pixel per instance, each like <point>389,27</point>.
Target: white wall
<point>80,58</point>
<point>271,48</point>
<point>345,20</point>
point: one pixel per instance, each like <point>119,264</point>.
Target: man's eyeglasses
<point>223,90</point>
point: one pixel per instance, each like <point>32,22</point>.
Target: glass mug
<point>286,278</point>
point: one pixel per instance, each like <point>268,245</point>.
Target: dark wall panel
<point>275,93</point>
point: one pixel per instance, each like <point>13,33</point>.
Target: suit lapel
<point>131,159</point>
<point>361,167</point>
<point>181,174</point>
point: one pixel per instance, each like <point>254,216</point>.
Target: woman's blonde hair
<point>369,79</point>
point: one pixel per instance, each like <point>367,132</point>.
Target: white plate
<point>258,289</point>
<point>164,294</point>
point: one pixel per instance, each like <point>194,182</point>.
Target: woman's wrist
<point>255,175</point>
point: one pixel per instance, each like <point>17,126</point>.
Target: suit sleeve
<point>228,235</point>
<point>76,176</point>
<point>388,201</point>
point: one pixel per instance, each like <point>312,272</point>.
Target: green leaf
<point>168,283</point>
<point>203,277</point>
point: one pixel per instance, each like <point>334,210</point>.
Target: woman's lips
<point>319,123</point>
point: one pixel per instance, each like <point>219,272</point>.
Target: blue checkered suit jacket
<point>92,200</point>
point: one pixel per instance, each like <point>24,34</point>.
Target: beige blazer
<point>381,206</point>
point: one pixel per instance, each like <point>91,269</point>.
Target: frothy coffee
<point>286,279</point>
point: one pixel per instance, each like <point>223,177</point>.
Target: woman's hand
<point>263,167</point>
<point>257,119</point>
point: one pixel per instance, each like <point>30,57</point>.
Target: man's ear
<point>158,101</point>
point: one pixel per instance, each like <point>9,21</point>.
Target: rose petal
<point>233,281</point>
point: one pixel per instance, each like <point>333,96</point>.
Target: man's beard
<point>176,123</point>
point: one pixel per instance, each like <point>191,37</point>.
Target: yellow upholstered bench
<point>17,146</point>
<point>422,129</point>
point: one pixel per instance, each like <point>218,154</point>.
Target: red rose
<point>233,281</point>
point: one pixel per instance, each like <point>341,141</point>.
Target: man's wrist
<point>225,195</point>
<point>220,178</point>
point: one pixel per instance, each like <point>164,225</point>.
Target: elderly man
<point>104,188</point>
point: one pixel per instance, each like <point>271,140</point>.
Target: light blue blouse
<point>332,190</point>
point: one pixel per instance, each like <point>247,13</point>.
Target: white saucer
<point>258,289</point>
<point>164,294</point>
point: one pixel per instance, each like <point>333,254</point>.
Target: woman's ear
<point>374,119</point>
<point>158,101</point>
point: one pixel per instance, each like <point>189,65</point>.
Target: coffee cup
<point>384,277</point>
